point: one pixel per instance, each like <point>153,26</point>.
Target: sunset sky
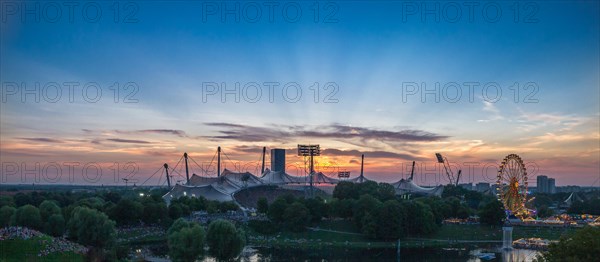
<point>364,58</point>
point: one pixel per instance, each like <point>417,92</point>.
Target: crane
<point>449,173</point>
<point>458,177</point>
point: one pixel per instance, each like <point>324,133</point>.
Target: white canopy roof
<point>405,186</point>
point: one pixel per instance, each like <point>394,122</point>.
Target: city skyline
<point>387,88</point>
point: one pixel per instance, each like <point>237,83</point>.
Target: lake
<point>467,253</point>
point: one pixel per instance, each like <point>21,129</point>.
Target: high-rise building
<point>542,184</point>
<point>551,186</point>
<point>278,160</point>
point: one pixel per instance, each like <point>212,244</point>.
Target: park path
<point>454,241</point>
<point>333,231</point>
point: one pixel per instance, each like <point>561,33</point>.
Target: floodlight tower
<point>444,161</point>
<point>126,181</point>
<point>343,174</point>
<point>310,150</point>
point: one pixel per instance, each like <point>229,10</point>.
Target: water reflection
<point>467,253</point>
<point>413,254</point>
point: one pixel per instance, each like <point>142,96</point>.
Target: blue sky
<point>368,53</point>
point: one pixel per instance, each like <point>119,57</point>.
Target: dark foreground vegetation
<point>376,211</point>
<point>109,222</point>
<point>91,218</point>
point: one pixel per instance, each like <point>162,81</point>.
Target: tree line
<point>91,218</point>
<point>377,211</point>
<point>187,240</point>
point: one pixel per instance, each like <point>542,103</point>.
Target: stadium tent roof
<point>359,179</point>
<point>197,180</point>
<point>279,177</point>
<point>322,178</point>
<point>241,179</point>
<point>405,186</point>
<point>214,188</point>
<point>571,199</point>
<point>208,191</point>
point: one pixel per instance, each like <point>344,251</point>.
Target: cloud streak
<point>41,139</point>
<point>371,154</point>
<point>128,141</point>
<point>246,133</point>
<point>174,132</point>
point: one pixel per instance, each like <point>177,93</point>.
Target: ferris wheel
<point>512,185</point>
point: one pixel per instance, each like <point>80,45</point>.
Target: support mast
<point>187,171</point>
<point>219,162</point>
<point>262,169</point>
<point>167,173</point>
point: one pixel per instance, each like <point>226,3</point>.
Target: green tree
<point>22,199</point>
<point>178,225</point>
<point>438,207</point>
<point>421,219</point>
<point>6,214</point>
<point>228,206</point>
<point>55,225</point>
<point>342,208</point>
<point>296,217</point>
<point>6,201</point>
<point>390,218</point>
<point>92,202</point>
<point>262,205</point>
<point>369,226</point>
<point>175,210</point>
<point>155,212</point>
<point>365,205</point>
<point>385,192</point>
<point>224,240</point>
<point>544,212</point>
<point>185,241</point>
<point>28,216</point>
<point>49,208</point>
<point>277,209</point>
<point>591,207</point>
<point>317,207</point>
<point>91,227</point>
<point>345,190</point>
<point>112,197</point>
<point>584,245</point>
<point>127,212</point>
<point>492,213</point>
<point>367,188</point>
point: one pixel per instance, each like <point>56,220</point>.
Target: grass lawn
<point>140,236</point>
<point>339,225</point>
<point>482,232</point>
<point>446,236</point>
<point>27,250</point>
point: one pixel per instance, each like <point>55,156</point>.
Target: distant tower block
<point>278,160</point>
